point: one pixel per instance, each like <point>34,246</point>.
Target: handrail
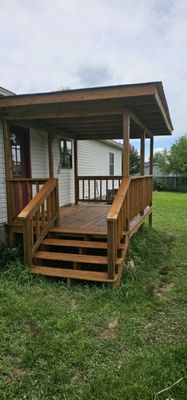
<point>104,177</point>
<point>118,201</point>
<point>38,217</point>
<point>18,179</point>
<point>38,199</point>
<point>132,200</point>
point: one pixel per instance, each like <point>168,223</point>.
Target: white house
<point>31,159</point>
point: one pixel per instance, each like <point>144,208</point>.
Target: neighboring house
<point>156,170</point>
<point>30,159</point>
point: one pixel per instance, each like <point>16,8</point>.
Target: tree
<point>174,161</point>
<point>134,160</point>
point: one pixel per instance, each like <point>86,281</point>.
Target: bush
<point>160,186</point>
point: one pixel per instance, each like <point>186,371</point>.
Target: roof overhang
<point>94,113</point>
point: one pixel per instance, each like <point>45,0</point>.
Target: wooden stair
<point>76,253</point>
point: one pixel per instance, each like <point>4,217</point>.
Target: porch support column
<point>76,183</point>
<point>50,155</point>
<point>151,173</point>
<point>151,156</point>
<point>9,175</point>
<point>126,137</point>
<point>142,154</point>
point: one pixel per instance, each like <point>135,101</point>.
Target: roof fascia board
<point>71,96</point>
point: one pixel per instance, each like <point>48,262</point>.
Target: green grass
<point>91,342</point>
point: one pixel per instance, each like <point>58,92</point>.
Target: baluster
<point>20,196</point>
<point>29,195</point>
<point>101,189</point>
<point>49,208</point>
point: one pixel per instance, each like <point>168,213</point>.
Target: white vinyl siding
<point>93,158</point>
<point>39,154</point>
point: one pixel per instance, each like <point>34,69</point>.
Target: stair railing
<point>38,217</point>
<point>132,199</point>
<point>117,222</point>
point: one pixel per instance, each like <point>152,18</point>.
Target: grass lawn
<point>91,342</point>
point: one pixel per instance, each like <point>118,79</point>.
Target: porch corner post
<point>142,154</point>
<point>151,156</point>
<point>50,155</point>
<point>151,173</point>
<point>8,175</point>
<point>76,183</point>
<point>126,150</point>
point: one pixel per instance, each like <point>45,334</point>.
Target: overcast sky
<point>49,44</point>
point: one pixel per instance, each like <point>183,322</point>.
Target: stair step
<point>75,243</point>
<point>73,274</point>
<point>80,258</point>
<point>79,231</point>
<point>79,243</point>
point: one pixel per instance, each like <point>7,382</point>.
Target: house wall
<point>3,207</point>
<point>93,156</point>
<point>39,154</point>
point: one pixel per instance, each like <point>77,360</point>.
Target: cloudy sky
<point>49,44</point>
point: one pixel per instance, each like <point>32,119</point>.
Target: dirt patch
<point>111,331</point>
<point>164,290</point>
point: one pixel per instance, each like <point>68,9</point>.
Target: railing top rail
<point>141,176</point>
<point>118,201</point>
<point>38,199</point>
<point>104,177</point>
<point>17,179</point>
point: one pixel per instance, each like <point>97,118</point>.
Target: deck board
<point>84,215</point>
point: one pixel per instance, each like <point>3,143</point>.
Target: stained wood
<point>142,154</point>
<point>79,95</point>
<point>79,258</point>
<point>72,274</point>
<point>126,137</point>
<point>151,156</point>
<point>75,243</point>
<point>43,194</point>
<point>50,156</point>
<point>76,182</point>
<point>78,231</point>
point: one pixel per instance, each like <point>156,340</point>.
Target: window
<point>111,163</point>
<point>16,155</point>
<point>65,154</point>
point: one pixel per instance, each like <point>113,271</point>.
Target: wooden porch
<point>86,241</point>
<point>90,240</point>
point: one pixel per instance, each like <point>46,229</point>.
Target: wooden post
<point>76,183</point>
<point>9,175</point>
<point>28,241</point>
<point>112,251</point>
<point>142,154</point>
<point>151,173</point>
<point>151,156</point>
<point>50,155</point>
<point>126,137</point>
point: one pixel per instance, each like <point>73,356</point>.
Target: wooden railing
<point>132,198</point>
<point>96,188</point>
<point>20,193</point>
<point>38,217</point>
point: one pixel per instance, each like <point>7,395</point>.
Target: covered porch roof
<point>93,113</point>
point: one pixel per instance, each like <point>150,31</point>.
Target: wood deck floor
<point>84,216</point>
